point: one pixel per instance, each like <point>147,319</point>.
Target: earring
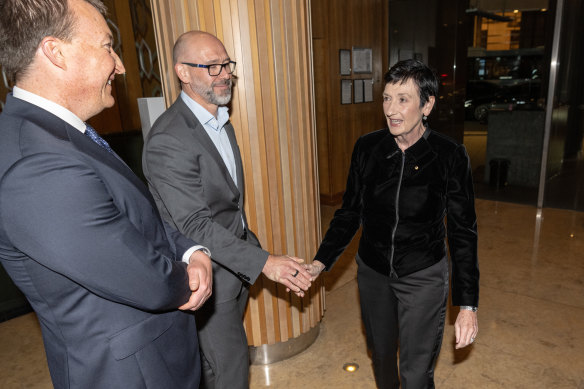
<point>425,117</point>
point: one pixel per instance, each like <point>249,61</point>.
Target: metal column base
<point>270,353</point>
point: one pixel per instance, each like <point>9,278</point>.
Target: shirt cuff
<point>187,255</point>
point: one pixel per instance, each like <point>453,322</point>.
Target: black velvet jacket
<point>401,200</point>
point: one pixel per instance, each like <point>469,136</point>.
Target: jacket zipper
<point>392,272</point>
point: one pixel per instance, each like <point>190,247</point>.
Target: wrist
<point>187,255</point>
<point>203,250</point>
<point>318,264</point>
<point>468,308</point>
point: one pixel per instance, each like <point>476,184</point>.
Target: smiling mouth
<point>395,122</point>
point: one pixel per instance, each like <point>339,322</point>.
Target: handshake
<point>292,272</point>
<point>289,271</point>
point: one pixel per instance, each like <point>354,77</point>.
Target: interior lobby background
<point>452,36</point>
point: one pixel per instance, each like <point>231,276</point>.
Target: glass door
<point>492,59</point>
<point>562,179</point>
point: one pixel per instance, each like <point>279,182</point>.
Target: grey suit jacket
<point>80,235</point>
<point>196,195</point>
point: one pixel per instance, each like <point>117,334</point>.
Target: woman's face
<point>401,105</point>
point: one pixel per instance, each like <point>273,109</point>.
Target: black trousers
<point>408,312</point>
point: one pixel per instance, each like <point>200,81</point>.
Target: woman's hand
<point>466,328</point>
<point>314,269</point>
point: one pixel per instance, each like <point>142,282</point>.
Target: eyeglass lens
<point>215,70</point>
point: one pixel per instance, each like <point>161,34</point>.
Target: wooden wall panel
<point>272,111</point>
<point>355,23</point>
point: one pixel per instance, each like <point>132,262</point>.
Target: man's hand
<point>200,280</point>
<point>289,272</point>
<point>466,328</point>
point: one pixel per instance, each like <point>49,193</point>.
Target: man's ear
<point>51,48</point>
<point>182,73</point>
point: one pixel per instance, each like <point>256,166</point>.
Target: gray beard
<point>213,98</point>
<point>218,100</point>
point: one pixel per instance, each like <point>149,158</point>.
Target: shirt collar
<point>50,106</point>
<point>204,116</point>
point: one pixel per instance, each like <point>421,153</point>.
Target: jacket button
<point>416,167</point>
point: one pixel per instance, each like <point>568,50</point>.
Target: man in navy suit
<point>80,234</point>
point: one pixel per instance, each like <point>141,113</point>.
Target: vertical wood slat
<point>280,123</point>
<point>272,111</point>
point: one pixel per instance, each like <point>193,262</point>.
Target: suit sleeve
<point>57,211</point>
<point>180,244</point>
<point>174,173</point>
<point>462,231</point>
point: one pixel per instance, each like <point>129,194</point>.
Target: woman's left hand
<point>466,328</point>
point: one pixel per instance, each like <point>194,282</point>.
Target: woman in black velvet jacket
<point>403,183</point>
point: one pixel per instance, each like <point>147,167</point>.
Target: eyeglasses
<point>214,69</point>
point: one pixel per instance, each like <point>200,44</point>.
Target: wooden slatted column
<point>273,114</point>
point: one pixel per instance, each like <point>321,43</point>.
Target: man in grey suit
<point>194,170</point>
<point>80,234</point>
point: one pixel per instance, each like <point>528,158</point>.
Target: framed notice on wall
<point>368,90</point>
<point>346,91</point>
<point>358,91</point>
<point>362,60</point>
<point>345,62</point>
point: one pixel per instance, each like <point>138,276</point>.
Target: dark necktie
<point>90,132</point>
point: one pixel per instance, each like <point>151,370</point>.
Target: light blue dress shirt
<point>214,126</point>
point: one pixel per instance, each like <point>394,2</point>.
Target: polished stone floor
<point>531,317</point>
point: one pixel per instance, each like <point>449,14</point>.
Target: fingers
<point>201,293</point>
<point>297,284</point>
<point>194,282</point>
<point>465,339</point>
<point>300,277</point>
<point>200,275</point>
<point>196,301</point>
<point>465,328</point>
<point>296,259</point>
<point>299,294</point>
<point>289,271</point>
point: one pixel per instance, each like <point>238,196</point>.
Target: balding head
<point>193,54</point>
<point>190,43</point>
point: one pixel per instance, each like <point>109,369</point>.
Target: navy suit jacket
<point>80,235</point>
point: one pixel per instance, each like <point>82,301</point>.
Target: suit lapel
<point>84,144</point>
<point>202,137</point>
<point>60,129</point>
<point>236,155</point>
